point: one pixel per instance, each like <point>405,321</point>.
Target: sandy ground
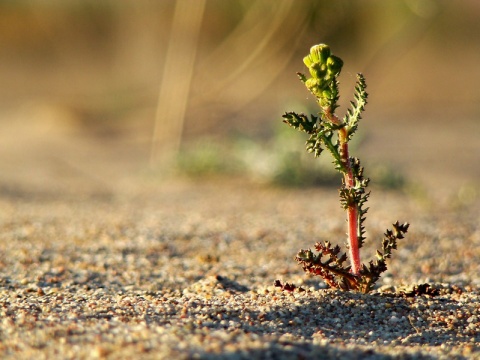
<point>100,258</point>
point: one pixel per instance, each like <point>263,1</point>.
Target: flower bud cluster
<point>323,68</point>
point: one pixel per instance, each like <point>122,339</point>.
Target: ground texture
<point>185,269</point>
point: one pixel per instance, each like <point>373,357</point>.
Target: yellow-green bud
<point>324,102</point>
<point>307,60</point>
<point>334,65</point>
<point>317,70</point>
<point>312,83</point>
<point>329,77</point>
<point>320,53</point>
<point>315,86</point>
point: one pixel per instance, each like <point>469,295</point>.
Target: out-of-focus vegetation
<point>274,161</point>
<point>277,161</point>
<point>157,78</point>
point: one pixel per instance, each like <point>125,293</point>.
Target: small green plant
<point>328,131</point>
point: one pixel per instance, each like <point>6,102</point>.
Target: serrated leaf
<point>353,115</point>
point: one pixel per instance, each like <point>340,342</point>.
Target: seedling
<point>328,131</point>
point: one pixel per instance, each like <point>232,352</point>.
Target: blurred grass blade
<point>176,80</point>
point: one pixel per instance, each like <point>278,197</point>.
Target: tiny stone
<point>393,320</point>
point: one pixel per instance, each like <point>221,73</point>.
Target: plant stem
<point>352,213</point>
<point>352,210</point>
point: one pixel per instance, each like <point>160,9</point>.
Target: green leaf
<point>301,122</point>
<point>354,114</point>
<point>302,77</point>
<point>314,145</point>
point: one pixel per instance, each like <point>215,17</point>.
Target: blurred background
<point>98,96</point>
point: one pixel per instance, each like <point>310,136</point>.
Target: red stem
<point>352,214</point>
<point>352,210</point>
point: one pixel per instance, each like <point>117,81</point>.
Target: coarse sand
<point>185,270</point>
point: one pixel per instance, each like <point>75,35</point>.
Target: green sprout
<point>328,131</point>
